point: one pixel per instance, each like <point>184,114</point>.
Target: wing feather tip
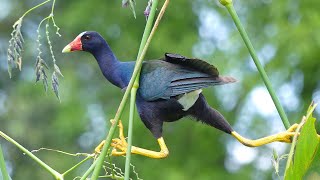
<point>228,79</point>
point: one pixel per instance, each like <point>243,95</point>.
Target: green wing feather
<point>175,75</point>
<point>197,64</point>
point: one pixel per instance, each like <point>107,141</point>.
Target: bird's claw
<point>98,149</point>
<point>293,128</point>
<point>118,143</point>
<point>120,147</point>
<point>287,136</point>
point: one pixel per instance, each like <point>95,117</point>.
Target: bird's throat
<point>109,65</point>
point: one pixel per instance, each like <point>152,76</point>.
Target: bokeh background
<point>284,33</point>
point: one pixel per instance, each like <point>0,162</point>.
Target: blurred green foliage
<point>284,34</point>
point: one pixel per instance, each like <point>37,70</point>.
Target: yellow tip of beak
<point>66,49</point>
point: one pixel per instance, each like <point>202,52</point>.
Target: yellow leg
<point>118,144</point>
<point>121,145</point>
<point>285,136</point>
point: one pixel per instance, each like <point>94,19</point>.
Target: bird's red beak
<point>75,45</point>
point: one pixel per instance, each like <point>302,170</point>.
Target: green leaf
<point>55,84</point>
<point>304,153</point>
<point>132,8</point>
<point>3,173</point>
<point>57,69</point>
<point>314,170</point>
<point>125,3</point>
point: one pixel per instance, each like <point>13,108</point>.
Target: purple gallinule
<point>170,89</point>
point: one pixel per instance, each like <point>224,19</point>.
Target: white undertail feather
<point>188,99</point>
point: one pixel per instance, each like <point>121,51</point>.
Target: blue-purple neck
<point>109,64</point>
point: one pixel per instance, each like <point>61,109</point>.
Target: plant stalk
<point>130,130</point>
<point>126,95</point>
<point>87,173</point>
<point>77,165</point>
<point>135,87</point>
<point>3,168</point>
<point>56,174</point>
<point>33,8</point>
<point>228,4</point>
<point>52,8</point>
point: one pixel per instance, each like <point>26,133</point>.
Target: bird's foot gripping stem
<point>285,136</point>
<point>121,136</point>
<point>120,147</point>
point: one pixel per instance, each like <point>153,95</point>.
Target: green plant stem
<point>132,8</point>
<point>233,13</point>
<point>112,177</point>
<point>76,166</point>
<point>99,162</point>
<point>135,87</point>
<point>3,168</point>
<point>56,174</point>
<point>33,8</point>
<point>125,97</point>
<point>87,173</point>
<point>52,8</point>
<point>130,127</point>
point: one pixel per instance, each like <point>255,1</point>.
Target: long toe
<point>293,128</point>
<point>120,145</point>
<point>98,149</point>
<point>287,137</point>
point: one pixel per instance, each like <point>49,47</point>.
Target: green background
<point>284,33</point>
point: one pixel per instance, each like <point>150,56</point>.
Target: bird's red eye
<point>87,37</point>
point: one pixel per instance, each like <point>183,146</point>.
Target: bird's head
<point>86,41</point>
